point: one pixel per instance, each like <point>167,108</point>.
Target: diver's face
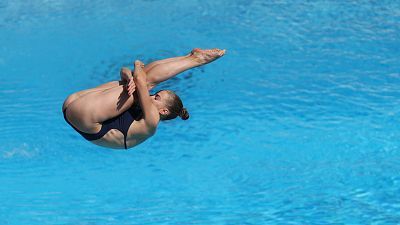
<point>160,99</point>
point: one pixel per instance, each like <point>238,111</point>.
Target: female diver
<point>122,114</point>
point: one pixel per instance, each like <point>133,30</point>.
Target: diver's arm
<point>150,112</point>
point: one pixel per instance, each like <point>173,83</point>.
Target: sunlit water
<point>297,124</point>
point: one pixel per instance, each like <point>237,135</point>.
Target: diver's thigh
<point>80,112</point>
<point>82,93</point>
<point>97,107</point>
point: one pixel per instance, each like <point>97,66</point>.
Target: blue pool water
<point>297,124</point>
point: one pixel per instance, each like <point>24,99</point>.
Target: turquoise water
<point>297,124</point>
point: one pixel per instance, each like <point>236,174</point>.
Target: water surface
<point>297,124</point>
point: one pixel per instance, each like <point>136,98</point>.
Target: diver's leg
<point>158,62</point>
<point>105,86</point>
<point>79,94</point>
<point>100,87</point>
<point>89,111</point>
<point>171,67</point>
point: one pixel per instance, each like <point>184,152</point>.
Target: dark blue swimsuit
<point>121,123</point>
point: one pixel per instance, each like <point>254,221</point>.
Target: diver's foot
<point>138,68</point>
<point>206,56</point>
<point>139,63</point>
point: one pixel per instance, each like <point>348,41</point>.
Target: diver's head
<point>169,105</point>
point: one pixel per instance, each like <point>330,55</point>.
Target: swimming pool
<point>297,124</point>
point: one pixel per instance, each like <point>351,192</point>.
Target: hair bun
<point>184,114</point>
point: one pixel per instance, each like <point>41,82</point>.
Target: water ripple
<point>296,124</point>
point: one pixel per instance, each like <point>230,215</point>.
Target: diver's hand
<point>130,86</point>
<point>127,79</point>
